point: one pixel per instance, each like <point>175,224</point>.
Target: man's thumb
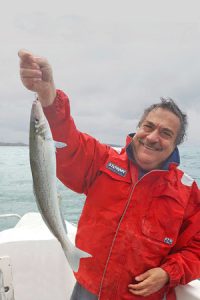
<point>142,276</point>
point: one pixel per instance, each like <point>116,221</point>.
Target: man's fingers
<point>143,292</point>
<point>24,53</point>
<point>28,73</point>
<point>149,282</point>
<point>26,57</point>
<point>139,286</point>
<point>142,276</point>
<point>41,61</point>
<point>135,286</point>
<point>28,60</point>
<point>140,289</point>
<point>29,65</point>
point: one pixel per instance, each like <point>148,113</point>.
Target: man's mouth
<point>148,146</point>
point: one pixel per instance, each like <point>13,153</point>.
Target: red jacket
<point>128,225</point>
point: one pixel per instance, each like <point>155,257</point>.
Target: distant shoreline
<point>25,145</point>
<point>13,144</point>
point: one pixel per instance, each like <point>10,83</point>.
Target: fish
<point>42,155</point>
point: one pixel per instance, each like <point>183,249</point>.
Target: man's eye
<point>147,127</point>
<point>166,134</point>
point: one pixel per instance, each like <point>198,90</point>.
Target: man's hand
<point>149,282</point>
<point>36,75</point>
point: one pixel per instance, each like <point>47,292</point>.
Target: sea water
<point>16,191</point>
<point>16,188</point>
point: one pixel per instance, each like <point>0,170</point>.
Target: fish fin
<point>59,145</point>
<point>74,257</point>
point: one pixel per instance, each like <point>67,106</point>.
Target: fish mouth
<point>37,120</point>
<point>149,146</point>
<point>36,111</point>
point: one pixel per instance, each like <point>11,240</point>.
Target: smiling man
<point>158,134</point>
<point>141,216</point>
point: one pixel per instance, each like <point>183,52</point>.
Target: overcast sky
<point>113,58</point>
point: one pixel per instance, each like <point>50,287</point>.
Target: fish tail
<point>74,257</point>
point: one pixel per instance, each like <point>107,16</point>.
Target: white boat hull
<point>39,267</point>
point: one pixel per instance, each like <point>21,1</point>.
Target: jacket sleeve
<point>78,163</point>
<point>183,263</point>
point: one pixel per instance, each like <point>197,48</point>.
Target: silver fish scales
<point>43,167</point>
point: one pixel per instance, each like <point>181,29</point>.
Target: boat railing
<point>10,216</point>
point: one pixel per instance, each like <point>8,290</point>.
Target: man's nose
<point>153,136</point>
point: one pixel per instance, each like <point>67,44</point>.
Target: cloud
<point>112,59</point>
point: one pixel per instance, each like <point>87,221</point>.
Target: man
<point>140,220</point>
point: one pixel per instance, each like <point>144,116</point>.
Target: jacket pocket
<point>163,219</point>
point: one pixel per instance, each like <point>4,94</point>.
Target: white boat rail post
<point>6,286</point>
<point>2,289</point>
<point>10,215</point>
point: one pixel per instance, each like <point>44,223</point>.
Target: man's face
<point>155,140</point>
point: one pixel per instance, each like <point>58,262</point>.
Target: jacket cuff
<point>174,272</point>
<point>59,110</point>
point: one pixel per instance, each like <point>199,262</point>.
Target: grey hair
<point>170,105</point>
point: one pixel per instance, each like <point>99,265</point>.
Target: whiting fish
<point>43,167</point>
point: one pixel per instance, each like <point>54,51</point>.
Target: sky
<point>112,58</point>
